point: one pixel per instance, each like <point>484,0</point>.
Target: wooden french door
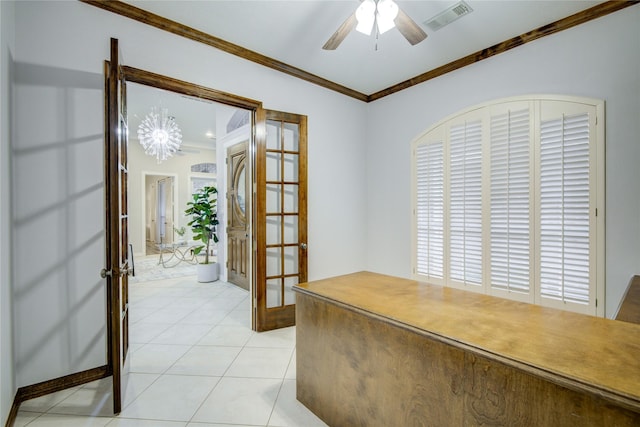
<point>238,215</point>
<point>117,226</point>
<point>281,216</point>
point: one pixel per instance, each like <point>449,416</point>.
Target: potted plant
<point>204,221</point>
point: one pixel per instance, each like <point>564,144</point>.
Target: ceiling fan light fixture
<point>365,15</point>
<point>387,11</point>
<point>384,24</point>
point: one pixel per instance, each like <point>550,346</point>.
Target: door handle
<point>303,246</point>
<point>104,273</point>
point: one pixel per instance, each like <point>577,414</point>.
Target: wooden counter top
<point>630,306</point>
<point>585,353</point>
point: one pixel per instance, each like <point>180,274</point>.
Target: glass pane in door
<point>282,211</point>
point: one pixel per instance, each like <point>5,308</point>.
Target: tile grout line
<point>163,373</point>
<point>228,292</point>
<point>225,371</point>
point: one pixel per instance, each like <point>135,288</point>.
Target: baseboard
<point>51,386</point>
<point>13,413</point>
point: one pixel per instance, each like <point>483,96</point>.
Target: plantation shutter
<point>465,209</point>
<point>565,267</point>
<point>510,140</point>
<point>430,209</point>
<point>505,199</point>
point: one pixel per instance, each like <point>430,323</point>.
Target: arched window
<point>204,168</point>
<point>509,201</point>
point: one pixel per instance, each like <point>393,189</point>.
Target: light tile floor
<point>194,362</point>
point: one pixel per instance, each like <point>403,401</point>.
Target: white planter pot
<point>207,272</point>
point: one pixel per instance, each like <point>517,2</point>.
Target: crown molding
<point>142,16</point>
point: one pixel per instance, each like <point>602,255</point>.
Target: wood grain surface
<point>630,306</point>
<point>379,350</point>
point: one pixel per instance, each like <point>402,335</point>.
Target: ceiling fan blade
<point>341,33</point>
<point>408,28</point>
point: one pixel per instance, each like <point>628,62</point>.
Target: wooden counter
<point>630,307</point>
<point>375,350</point>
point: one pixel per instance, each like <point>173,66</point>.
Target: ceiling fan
<point>386,14</point>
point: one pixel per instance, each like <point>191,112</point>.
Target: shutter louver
<point>430,209</point>
<point>564,209</point>
<point>510,202</point>
<point>466,203</point>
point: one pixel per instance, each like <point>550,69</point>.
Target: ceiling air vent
<point>448,16</point>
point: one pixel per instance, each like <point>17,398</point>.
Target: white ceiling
<point>194,117</point>
<point>294,31</point>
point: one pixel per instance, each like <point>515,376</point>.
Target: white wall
<point>72,39</point>
<point>600,59</point>
<point>7,376</point>
<point>58,302</point>
<point>58,222</point>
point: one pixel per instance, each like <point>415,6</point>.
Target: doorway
<point>159,213</point>
<point>271,135</point>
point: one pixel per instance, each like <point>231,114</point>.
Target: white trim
<point>490,103</point>
<point>600,206</point>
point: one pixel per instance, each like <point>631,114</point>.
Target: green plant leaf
<point>204,218</point>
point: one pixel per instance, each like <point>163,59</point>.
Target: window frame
<point>536,104</point>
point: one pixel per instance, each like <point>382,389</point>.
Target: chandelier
<point>159,134</point>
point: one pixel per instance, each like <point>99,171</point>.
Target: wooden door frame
<point>257,155</point>
<point>264,318</point>
<point>258,138</point>
<point>115,98</point>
